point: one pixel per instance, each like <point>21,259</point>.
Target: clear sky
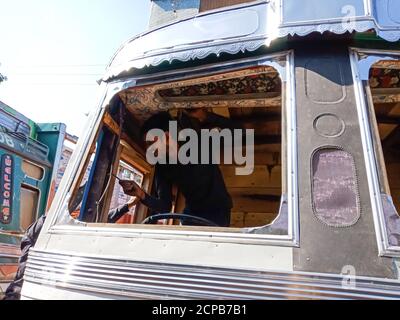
<point>53,51</point>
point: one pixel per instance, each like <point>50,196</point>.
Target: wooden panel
<point>260,158</point>
<point>260,177</point>
<point>222,112</point>
<point>396,199</point>
<point>250,220</point>
<point>111,124</point>
<point>206,5</point>
<point>395,110</point>
<point>254,207</point>
<point>237,219</point>
<point>376,141</point>
<point>250,202</point>
<point>385,130</point>
<point>393,173</point>
<point>259,219</point>
<point>133,158</point>
<point>273,192</point>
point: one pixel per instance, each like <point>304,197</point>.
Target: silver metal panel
<point>387,13</point>
<point>293,11</point>
<point>323,248</point>
<point>361,62</point>
<point>251,26</point>
<point>86,277</point>
<point>196,37</point>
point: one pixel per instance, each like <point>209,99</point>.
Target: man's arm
<point>115,214</point>
<point>161,203</point>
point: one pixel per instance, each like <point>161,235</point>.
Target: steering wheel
<point>178,216</point>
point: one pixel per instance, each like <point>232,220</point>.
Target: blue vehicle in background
<point>29,157</point>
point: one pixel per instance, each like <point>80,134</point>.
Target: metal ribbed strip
<point>155,280</point>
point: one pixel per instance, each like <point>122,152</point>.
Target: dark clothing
<point>116,214</point>
<point>13,291</point>
<point>221,216</point>
<point>202,185</point>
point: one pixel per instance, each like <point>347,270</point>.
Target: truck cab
<point>316,217</point>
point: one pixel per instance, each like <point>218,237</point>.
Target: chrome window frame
<point>287,74</point>
<point>371,161</point>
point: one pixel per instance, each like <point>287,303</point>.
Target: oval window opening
<point>334,188</point>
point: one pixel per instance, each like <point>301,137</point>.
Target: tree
<point>2,78</point>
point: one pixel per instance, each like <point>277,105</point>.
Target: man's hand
<point>131,188</point>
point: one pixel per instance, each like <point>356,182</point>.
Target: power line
<point>55,74</point>
<point>56,84</point>
<point>60,65</point>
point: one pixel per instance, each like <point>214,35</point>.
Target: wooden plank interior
<point>386,105</point>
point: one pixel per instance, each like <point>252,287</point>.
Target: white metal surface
<point>250,26</point>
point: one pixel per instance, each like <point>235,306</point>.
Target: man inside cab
<point>202,185</point>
